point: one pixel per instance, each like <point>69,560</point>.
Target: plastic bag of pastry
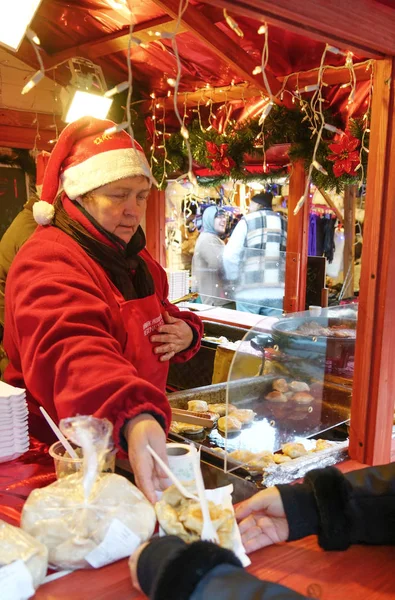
<point>88,519</point>
<point>180,516</point>
<point>23,563</point>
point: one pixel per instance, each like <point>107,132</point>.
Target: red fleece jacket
<point>64,336</point>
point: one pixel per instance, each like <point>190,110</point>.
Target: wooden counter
<point>360,573</point>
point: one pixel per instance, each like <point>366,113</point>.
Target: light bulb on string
<point>37,77</point>
<point>117,89</point>
<point>116,128</point>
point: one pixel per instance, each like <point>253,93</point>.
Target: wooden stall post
<point>374,374</point>
<point>349,239</point>
<point>297,242</point>
<point>155,222</point>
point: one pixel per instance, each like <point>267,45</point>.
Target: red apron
<point>141,318</point>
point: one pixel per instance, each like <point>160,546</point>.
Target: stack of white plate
<point>14,434</point>
<point>178,284</point>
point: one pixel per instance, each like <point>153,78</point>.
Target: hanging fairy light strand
<point>319,124</point>
<point>366,128</point>
<point>183,129</point>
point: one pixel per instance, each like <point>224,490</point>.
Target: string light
<point>117,128</point>
<point>121,87</point>
<point>32,36</point>
<point>333,129</point>
<point>262,30</point>
<point>37,77</point>
<point>265,112</point>
<point>233,24</point>
<point>319,167</point>
<point>171,82</point>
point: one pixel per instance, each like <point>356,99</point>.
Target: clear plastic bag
<point>17,545</point>
<point>88,519</point>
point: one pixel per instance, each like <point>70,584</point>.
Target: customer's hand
<point>173,337</point>
<point>139,432</point>
<point>262,520</point>
<point>133,562</point>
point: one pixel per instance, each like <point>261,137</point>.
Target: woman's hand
<point>173,337</point>
<point>262,520</point>
<point>139,432</point>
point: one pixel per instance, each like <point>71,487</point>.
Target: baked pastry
<point>242,456</point>
<point>244,415</point>
<point>197,406</point>
<point>229,424</point>
<point>322,445</point>
<point>179,427</point>
<point>279,459</point>
<point>220,409</point>
<point>293,449</point>
<point>276,397</point>
<point>302,398</point>
<point>299,386</point>
<point>280,385</point>
<point>261,461</point>
<point>181,516</point>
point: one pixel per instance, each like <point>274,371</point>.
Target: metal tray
<point>274,424</point>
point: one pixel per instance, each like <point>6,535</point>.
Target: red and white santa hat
<point>85,157</point>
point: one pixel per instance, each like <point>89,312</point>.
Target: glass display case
<point>287,388</point>
<point>290,386</point>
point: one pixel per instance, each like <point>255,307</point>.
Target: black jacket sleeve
<point>169,569</point>
<point>355,508</point>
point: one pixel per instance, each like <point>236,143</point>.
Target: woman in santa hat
<point>88,327</point>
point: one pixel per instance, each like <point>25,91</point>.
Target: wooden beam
<point>22,137</point>
<point>218,42</point>
<point>117,41</point>
<point>155,223</point>
<point>241,91</point>
<point>374,374</point>
<point>297,243</point>
<point>28,119</point>
<point>350,192</point>
<point>365,26</point>
<point>27,55</point>
<point>331,76</point>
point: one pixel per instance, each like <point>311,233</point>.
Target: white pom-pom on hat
<point>43,212</point>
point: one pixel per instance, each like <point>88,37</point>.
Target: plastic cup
<point>65,465</point>
<point>180,461</point>
<point>315,311</point>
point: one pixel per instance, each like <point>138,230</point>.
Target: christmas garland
<point>224,153</point>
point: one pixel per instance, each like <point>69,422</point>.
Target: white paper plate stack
<point>14,434</point>
<point>178,284</point>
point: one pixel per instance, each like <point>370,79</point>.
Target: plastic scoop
<point>68,447</point>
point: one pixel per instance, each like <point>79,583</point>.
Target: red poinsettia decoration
<point>220,160</point>
<point>345,157</point>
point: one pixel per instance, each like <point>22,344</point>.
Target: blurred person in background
<point>207,269</point>
<point>254,258</point>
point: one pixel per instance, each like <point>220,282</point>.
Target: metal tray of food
<point>274,424</point>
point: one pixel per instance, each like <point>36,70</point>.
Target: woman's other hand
<point>139,432</point>
<point>262,520</point>
<point>173,337</point>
